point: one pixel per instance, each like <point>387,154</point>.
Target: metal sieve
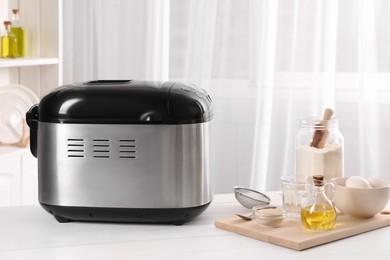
<point>250,198</point>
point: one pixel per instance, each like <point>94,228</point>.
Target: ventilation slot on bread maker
<point>127,149</point>
<point>101,148</point>
<point>76,148</point>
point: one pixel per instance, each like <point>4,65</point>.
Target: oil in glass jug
<point>319,213</point>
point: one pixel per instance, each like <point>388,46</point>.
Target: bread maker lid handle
<point>32,117</point>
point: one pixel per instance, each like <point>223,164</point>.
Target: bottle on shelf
<point>8,42</point>
<point>18,30</point>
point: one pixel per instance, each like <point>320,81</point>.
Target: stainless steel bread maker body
<point>123,151</point>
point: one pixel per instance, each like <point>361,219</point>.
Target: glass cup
<point>294,192</point>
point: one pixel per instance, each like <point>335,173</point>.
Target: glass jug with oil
<point>318,212</point>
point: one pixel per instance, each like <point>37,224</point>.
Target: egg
<point>357,182</point>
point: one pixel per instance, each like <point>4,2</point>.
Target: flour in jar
<point>327,161</point>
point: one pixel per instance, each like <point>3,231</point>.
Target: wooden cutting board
<point>292,234</point>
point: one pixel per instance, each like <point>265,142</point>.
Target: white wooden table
<point>28,232</point>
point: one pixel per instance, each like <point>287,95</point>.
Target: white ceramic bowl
<point>361,202</point>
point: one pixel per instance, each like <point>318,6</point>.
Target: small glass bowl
<point>269,216</point>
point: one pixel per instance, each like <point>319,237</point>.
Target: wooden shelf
<point>22,62</point>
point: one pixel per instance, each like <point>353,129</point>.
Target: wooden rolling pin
<point>320,135</point>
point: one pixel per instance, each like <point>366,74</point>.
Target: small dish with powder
<point>269,216</point>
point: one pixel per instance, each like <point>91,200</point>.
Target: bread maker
<point>123,151</point>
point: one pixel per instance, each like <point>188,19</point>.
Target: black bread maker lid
<point>126,102</point>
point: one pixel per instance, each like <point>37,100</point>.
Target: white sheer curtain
<point>266,63</point>
<point>116,39</point>
<point>276,61</point>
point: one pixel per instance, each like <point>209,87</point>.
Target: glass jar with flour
<point>319,147</point>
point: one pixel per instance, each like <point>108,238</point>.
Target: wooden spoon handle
<point>324,136</point>
<point>320,136</point>
<point>328,113</point>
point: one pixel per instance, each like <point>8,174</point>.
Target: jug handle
<point>330,191</point>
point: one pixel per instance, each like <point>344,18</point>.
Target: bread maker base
<point>176,216</point>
